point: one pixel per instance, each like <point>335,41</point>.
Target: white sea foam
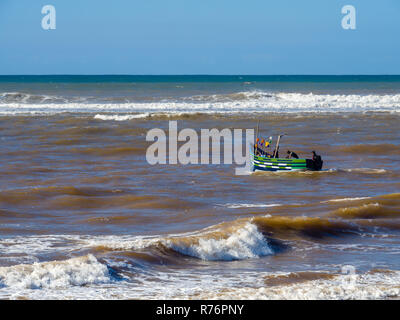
<point>26,98</point>
<point>342,287</point>
<point>365,170</point>
<point>121,242</point>
<point>251,205</point>
<point>35,245</point>
<point>87,278</point>
<point>241,243</point>
<point>116,117</point>
<point>195,284</point>
<point>244,243</point>
<point>247,102</point>
<point>345,199</point>
<point>55,274</point>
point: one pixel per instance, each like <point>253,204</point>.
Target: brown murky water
<point>83,215</point>
<point>74,186</point>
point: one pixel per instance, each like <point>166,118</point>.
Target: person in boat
<point>314,156</point>
<point>275,154</point>
<point>317,160</point>
<point>291,155</point>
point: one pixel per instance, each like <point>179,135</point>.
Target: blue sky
<point>199,37</point>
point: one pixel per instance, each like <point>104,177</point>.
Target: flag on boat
<point>267,143</point>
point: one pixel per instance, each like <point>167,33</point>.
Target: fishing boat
<point>281,164</point>
<point>262,161</point>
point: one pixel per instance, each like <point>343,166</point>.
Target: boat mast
<point>277,145</point>
<point>258,126</point>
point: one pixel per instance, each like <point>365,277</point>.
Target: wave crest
<point>242,102</point>
<point>55,274</point>
<point>367,211</point>
<point>244,243</point>
<point>315,227</point>
<point>228,241</point>
<point>385,148</point>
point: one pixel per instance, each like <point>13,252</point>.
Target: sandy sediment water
<point>83,215</point>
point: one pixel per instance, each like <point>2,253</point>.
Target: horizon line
<point>192,74</point>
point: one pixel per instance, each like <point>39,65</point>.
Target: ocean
<point>83,215</point>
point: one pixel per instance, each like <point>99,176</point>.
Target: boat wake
<point>330,171</point>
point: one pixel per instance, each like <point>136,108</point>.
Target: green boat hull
<point>280,164</point>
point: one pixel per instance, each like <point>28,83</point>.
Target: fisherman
<point>317,160</point>
<point>314,156</point>
<point>291,155</point>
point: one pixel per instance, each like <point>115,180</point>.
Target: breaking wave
<point>245,102</point>
<point>237,241</point>
<point>245,243</point>
<point>55,274</point>
<point>26,98</point>
<point>241,239</point>
<point>232,97</point>
<point>380,284</point>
